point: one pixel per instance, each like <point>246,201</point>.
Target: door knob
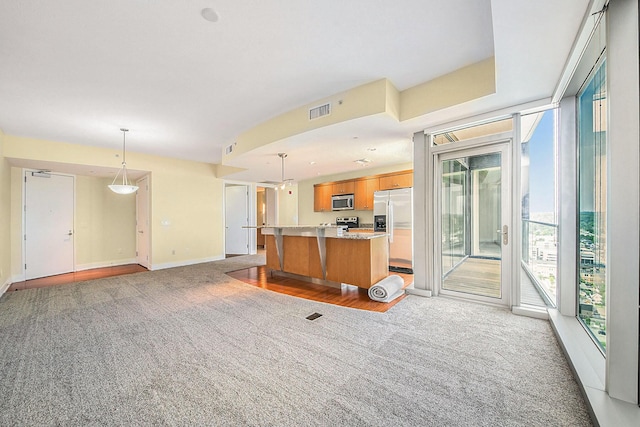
<point>140,231</point>
<point>70,233</point>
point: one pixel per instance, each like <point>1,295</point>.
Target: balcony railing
<point>540,257</point>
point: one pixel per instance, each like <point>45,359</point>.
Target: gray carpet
<point>191,346</point>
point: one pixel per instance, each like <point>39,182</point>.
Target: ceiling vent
<point>321,111</point>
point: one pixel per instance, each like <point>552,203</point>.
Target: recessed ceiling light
<point>362,162</point>
<point>209,14</point>
<point>312,163</point>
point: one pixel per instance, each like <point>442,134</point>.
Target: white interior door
<point>473,223</point>
<point>49,209</point>
<point>236,217</point>
<point>143,242</point>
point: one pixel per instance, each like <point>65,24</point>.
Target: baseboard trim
<point>536,312</point>
<point>114,263</point>
<point>588,366</point>
<point>5,286</point>
<point>185,263</point>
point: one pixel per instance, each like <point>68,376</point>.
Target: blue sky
<point>541,171</point>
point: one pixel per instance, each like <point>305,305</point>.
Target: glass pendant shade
<point>125,187</point>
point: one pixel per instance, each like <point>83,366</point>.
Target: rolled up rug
<point>387,289</point>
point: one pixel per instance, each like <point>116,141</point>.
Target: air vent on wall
<point>321,111</point>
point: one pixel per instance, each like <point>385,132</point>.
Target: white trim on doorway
<point>476,147</point>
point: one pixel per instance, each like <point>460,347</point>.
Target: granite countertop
<point>332,231</point>
<point>294,226</point>
<point>361,236</point>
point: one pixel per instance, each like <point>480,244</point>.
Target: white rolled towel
<point>387,289</point>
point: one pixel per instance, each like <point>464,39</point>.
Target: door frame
<point>147,182</point>
<point>23,251</point>
<point>499,142</point>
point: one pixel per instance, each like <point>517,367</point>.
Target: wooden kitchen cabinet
<point>344,187</point>
<point>363,195</point>
<point>322,197</point>
<point>396,180</point>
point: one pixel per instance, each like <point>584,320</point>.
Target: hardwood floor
<point>475,276</point>
<point>79,276</point>
<point>346,296</point>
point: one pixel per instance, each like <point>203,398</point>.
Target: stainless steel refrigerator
<point>393,213</point>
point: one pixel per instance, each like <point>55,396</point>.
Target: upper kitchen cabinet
<point>363,195</point>
<point>322,197</point>
<point>344,187</point>
<point>396,180</point>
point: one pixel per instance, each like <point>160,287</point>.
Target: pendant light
<point>125,187</point>
<point>284,182</point>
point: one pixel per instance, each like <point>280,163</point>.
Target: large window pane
<point>592,206</point>
<point>539,219</point>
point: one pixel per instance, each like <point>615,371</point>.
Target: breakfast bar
<point>327,254</point>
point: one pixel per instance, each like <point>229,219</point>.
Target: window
<point>539,216</point>
<point>475,131</point>
<point>592,203</point>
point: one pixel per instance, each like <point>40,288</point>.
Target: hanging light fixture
<point>284,182</point>
<point>125,187</point>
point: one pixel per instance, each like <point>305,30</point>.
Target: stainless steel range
<point>349,221</point>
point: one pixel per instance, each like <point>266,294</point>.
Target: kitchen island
<point>327,254</point>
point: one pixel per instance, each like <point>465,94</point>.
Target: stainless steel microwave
<point>342,202</point>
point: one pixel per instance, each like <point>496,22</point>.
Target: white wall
<point>623,200</point>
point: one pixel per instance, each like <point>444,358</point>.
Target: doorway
<point>48,224</point>
<point>261,216</point>
<point>473,223</point>
<point>236,220</point>
<point>142,223</point>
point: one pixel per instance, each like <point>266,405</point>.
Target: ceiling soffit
<point>379,97</point>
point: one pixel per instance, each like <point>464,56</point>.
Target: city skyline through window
<point>539,219</point>
<point>592,204</point>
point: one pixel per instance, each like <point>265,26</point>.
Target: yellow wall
<point>16,224</point>
<point>468,83</point>
<point>105,224</point>
<point>378,97</point>
<point>362,101</point>
<point>5,217</point>
<point>188,216</point>
<point>305,198</point>
<point>186,200</point>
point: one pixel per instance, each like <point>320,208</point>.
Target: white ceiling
<point>77,71</point>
